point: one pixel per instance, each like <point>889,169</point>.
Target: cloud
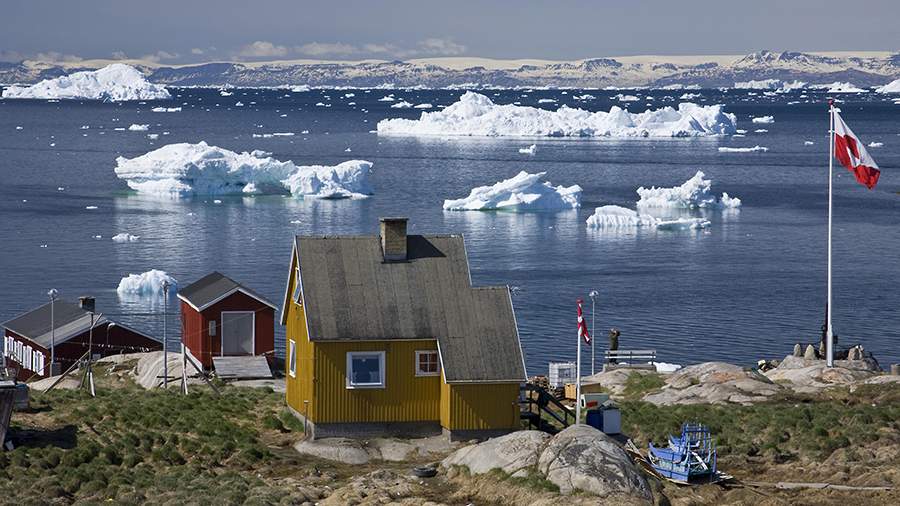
<point>327,49</point>
<point>197,51</point>
<point>119,55</point>
<point>159,56</point>
<point>262,49</point>
<point>444,47</point>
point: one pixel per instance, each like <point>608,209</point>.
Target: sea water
<point>748,287</point>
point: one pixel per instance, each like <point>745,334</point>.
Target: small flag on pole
<point>582,326</point>
<point>852,154</point>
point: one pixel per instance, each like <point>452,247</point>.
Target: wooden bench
<point>625,359</point>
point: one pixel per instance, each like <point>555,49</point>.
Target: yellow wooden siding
<point>484,406</point>
<point>405,398</point>
<point>299,388</point>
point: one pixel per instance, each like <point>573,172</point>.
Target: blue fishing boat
<point>690,458</point>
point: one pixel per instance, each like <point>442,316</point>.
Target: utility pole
<point>165,336</point>
<point>52,293</point>
<point>88,304</point>
<point>593,295</point>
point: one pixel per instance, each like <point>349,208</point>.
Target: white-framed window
<point>297,296</point>
<point>292,358</point>
<point>365,369</point>
<point>427,363</point>
<point>212,327</point>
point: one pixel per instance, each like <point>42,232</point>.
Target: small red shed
<point>221,317</point>
<point>66,328</point>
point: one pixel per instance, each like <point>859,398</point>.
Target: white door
<point>238,332</point>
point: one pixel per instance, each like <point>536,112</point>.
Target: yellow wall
<point>405,398</point>
<point>299,388</point>
<point>483,406</point>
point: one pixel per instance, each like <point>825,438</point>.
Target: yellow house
<point>387,336</point>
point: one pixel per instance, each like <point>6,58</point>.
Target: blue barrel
<point>595,418</point>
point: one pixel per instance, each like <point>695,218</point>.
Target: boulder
<point>344,450</point>
<point>714,383</point>
<point>515,453</point>
<point>584,458</point>
<point>811,375</point>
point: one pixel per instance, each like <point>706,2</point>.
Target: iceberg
<point>146,284</point>
<point>114,83</point>
<point>891,87</point>
<point>476,115</point>
<point>764,84</point>
<point>200,169</point>
<point>125,237</point>
<point>530,150</point>
<point>423,106</point>
<point>166,109</point>
<point>874,144</point>
<point>764,119</point>
<point>403,104</point>
<point>522,192</point>
<point>618,217</point>
<point>694,193</point>
<point>839,87</point>
<point>754,149</point>
<point>139,128</point>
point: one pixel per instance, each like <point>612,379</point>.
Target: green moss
<point>639,384</point>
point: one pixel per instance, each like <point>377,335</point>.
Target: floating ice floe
<point>874,144</point>
<point>522,192</point>
<point>166,109</point>
<point>618,217</point>
<point>476,115</point>
<point>764,84</point>
<point>388,98</point>
<point>125,237</point>
<point>694,193</point>
<point>114,83</point>
<point>754,149</point>
<point>134,127</point>
<point>764,119</point>
<point>626,98</point>
<point>146,284</point>
<point>690,96</point>
<point>200,169</point>
<point>760,131</point>
<point>423,106</point>
<point>839,87</point>
<point>808,143</point>
<point>891,87</point>
<point>530,150</point>
<point>547,101</point>
<point>403,104</point>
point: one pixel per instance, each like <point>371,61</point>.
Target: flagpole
<point>578,379</point>
<point>829,333</point>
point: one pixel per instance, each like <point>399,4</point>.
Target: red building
<point>220,317</point>
<point>28,338</point>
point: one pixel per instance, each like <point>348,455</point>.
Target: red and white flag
<point>582,326</point>
<point>851,152</point>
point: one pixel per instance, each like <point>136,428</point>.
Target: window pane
<point>293,358</point>
<point>365,369</point>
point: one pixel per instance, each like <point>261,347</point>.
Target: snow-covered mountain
<point>863,69</point>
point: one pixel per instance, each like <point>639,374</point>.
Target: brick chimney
<point>393,239</point>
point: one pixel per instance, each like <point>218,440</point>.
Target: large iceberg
<point>694,193</point>
<point>200,169</point>
<point>113,83</point>
<point>146,284</point>
<point>618,217</point>
<point>522,192</point>
<point>891,87</point>
<point>476,115</point>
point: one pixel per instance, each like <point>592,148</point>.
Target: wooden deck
<point>250,367</point>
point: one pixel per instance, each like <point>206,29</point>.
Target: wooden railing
<point>537,402</point>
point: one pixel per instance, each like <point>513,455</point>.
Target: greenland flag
<point>851,152</point>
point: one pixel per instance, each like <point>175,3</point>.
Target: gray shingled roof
<point>352,294</point>
<point>69,319</point>
<point>214,287</point>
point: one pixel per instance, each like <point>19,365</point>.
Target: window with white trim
<point>427,363</point>
<point>365,369</point>
<point>292,358</point>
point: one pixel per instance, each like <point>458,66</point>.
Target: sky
<point>186,31</point>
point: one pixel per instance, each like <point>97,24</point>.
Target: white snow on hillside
<point>522,192</point>
<point>113,83</point>
<point>146,284</point>
<point>617,217</point>
<point>200,169</point>
<point>754,149</point>
<point>891,87</point>
<point>476,115</point>
<point>694,193</point>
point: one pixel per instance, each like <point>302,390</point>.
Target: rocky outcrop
<point>580,458</point>
<point>612,381</point>
<point>360,451</point>
<point>514,454</point>
<point>584,458</point>
<point>806,375</point>
<point>714,383</point>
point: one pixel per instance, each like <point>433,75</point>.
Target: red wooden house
<point>28,338</point>
<point>221,317</point>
